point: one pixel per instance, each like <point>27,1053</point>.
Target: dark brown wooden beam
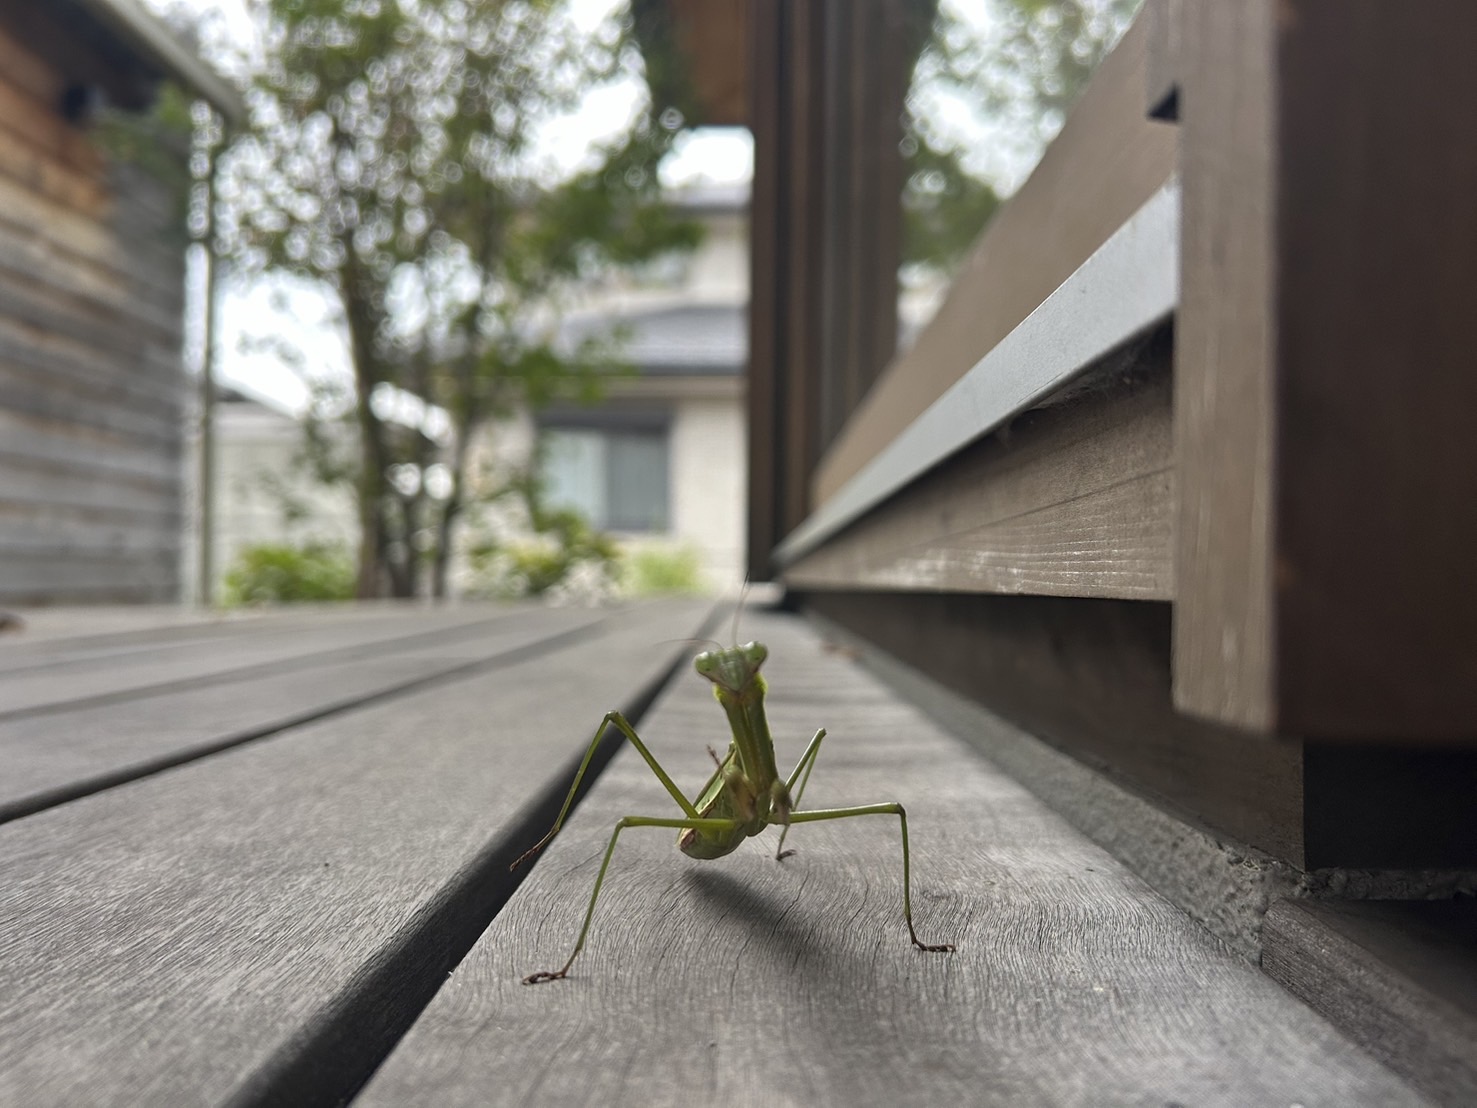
<point>1324,382</point>
<point>827,83</point>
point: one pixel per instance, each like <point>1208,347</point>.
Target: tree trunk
<point>371,482</point>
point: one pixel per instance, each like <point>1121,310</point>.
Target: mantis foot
<point>555,975</point>
<point>783,854</point>
<point>941,948</point>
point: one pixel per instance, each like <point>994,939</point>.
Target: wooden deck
<point>239,860</point>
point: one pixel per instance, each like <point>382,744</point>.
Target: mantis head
<point>734,668</point>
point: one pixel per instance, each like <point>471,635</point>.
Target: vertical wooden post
<point>1324,375</point>
<point>766,291</point>
<point>827,81</point>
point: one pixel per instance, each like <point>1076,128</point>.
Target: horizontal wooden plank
<point>43,172</point>
<point>142,580</point>
<point>1126,288</point>
<point>26,257</point>
<point>94,592</point>
<point>31,387</point>
<point>57,440</point>
<point>294,901</point>
<point>57,757</point>
<point>155,367</point>
<point>746,982</point>
<point>1400,978</point>
<point>54,634</point>
<point>152,265</point>
<point>25,471</point>
<point>254,650</point>
<point>1036,241</point>
<point>35,482</point>
<point>89,523</point>
<point>115,544</point>
<point>1076,500</point>
<point>130,338</point>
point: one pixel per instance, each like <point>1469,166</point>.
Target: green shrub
<point>280,573</point>
<point>656,570</point>
<point>564,552</point>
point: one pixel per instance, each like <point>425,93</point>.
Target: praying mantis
<point>744,795</point>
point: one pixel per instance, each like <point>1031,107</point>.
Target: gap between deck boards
<point>330,656</point>
<point>332,1058</point>
<point>76,790</point>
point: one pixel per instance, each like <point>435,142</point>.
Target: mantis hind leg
<point>891,809</point>
<point>806,764</point>
<point>621,724</point>
<point>621,825</point>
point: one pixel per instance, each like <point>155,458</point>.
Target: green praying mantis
<point>744,795</point>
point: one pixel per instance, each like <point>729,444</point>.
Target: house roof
<point>147,38</point>
<point>687,339</point>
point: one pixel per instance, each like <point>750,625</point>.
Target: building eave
<point>153,41</point>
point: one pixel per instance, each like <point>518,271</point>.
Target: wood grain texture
<point>1049,228</point>
<point>1075,500</point>
<point>747,982</point>
<point>1377,499</point>
<point>1323,370</point>
<point>65,754</point>
<point>202,932</point>
<point>1399,978</point>
<point>250,650</point>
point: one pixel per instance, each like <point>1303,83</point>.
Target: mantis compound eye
<point>754,653</point>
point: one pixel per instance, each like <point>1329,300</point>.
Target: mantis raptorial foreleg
<point>889,809</point>
<point>806,763</point>
<point>709,825</point>
<point>629,732</point>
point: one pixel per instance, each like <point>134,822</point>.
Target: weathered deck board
<point>249,650</point>
<point>76,631</point>
<point>284,907</point>
<point>60,755</point>
<point>747,982</point>
<point>1400,978</point>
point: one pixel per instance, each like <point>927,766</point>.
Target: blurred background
<point>316,299</point>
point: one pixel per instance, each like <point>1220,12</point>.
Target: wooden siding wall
<point>91,386</point>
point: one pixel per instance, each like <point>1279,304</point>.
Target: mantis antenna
<point>738,609</point>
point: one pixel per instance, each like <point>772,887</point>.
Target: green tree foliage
<point>389,159</point>
<point>1023,70</point>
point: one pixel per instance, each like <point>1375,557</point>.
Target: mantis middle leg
<point>712,825</point>
<point>890,809</point>
<point>623,725</point>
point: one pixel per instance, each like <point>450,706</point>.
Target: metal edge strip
<point>1127,285</point>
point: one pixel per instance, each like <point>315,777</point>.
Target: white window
<point>616,477</point>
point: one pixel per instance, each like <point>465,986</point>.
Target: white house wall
<point>709,484</point>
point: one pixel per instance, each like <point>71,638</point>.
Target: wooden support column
<point>1324,380</point>
<point>827,82</point>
